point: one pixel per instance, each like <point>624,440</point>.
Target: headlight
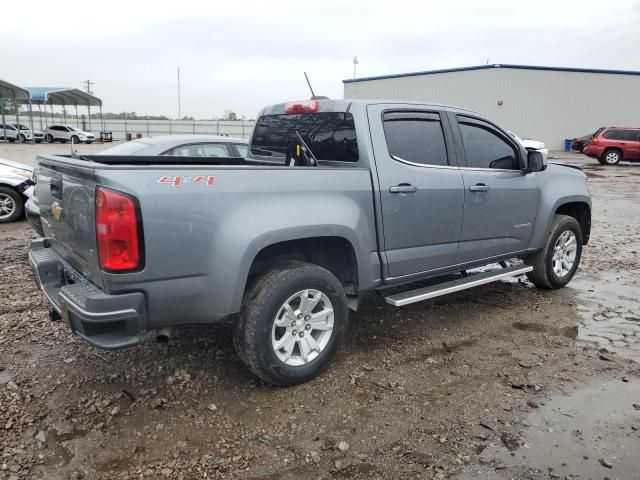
<point>23,173</point>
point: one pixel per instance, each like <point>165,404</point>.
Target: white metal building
<point>542,103</point>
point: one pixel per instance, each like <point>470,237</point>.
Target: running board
<point>413,296</point>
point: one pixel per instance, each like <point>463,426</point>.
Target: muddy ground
<point>503,381</point>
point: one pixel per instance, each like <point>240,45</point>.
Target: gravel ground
<point>457,386</point>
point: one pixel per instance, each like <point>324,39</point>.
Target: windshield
<point>74,129</point>
<point>21,127</point>
<point>330,136</point>
<point>134,147</point>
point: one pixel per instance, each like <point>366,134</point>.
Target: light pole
<point>179,93</point>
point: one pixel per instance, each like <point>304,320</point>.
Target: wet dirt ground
<point>501,381</point>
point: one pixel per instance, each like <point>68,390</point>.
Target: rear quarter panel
<point>200,240</point>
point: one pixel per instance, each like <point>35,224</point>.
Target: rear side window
<point>201,150</point>
<point>616,135</point>
<point>416,137</point>
<point>484,148</point>
<point>242,149</point>
<point>329,135</point>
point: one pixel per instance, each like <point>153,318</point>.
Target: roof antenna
<point>313,95</point>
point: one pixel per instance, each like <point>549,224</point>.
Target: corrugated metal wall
<point>544,105</point>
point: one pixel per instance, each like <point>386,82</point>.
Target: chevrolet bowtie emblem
<point>56,210</point>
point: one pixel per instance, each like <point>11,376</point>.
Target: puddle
<point>592,433</point>
<point>609,311</point>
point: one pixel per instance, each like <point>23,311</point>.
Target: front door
<point>421,190</point>
<point>501,201</point>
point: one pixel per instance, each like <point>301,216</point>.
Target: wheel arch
<point>579,210</point>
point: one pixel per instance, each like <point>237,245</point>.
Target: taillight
<point>295,108</point>
<point>117,231</point>
<point>594,141</point>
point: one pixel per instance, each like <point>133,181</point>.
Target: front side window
<point>415,137</point>
<point>484,148</point>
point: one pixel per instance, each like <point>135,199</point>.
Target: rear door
<point>421,189</point>
<point>500,202</point>
<point>66,197</point>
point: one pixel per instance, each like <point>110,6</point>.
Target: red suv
<point>611,145</point>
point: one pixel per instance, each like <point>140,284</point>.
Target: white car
<point>16,186</point>
<point>21,133</point>
<point>67,133</point>
<point>531,144</point>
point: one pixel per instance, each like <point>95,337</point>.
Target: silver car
<point>16,186</point>
<point>20,133</point>
<point>182,146</point>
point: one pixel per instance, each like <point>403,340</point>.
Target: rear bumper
<point>105,321</point>
<point>593,151</point>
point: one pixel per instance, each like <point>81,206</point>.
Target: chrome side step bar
<point>417,295</point>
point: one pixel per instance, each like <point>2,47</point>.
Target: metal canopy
<point>8,90</point>
<point>62,96</point>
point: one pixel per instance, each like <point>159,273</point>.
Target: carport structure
<point>19,95</point>
<point>65,97</point>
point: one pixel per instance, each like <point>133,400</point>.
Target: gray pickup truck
<point>336,198</point>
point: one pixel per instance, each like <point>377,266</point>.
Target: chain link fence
<point>147,128</point>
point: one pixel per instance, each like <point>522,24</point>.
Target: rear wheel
<point>612,157</point>
<point>292,323</point>
<point>557,262</point>
<point>11,205</point>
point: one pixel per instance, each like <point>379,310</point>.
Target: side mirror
<point>536,161</point>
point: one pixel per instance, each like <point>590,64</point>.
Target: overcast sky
<point>241,55</point>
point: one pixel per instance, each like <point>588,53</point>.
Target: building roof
<point>62,96</point>
<point>8,90</point>
<point>496,65</point>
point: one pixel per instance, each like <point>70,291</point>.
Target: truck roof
<point>344,105</point>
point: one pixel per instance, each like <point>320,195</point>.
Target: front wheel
<point>292,323</point>
<point>22,139</point>
<point>557,262</point>
<point>11,205</point>
<point>49,138</point>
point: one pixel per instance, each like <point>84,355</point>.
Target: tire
<point>544,275</point>
<point>601,161</point>
<point>50,138</point>
<point>11,205</point>
<point>22,139</point>
<point>255,337</point>
<point>11,139</point>
<point>611,157</point>
<point>75,140</point>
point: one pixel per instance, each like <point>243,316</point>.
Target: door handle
<point>403,188</point>
<point>479,187</point>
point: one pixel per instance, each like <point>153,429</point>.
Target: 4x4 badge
<point>56,210</point>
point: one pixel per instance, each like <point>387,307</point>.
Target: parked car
<point>531,144</point>
<point>183,146</point>
<point>611,145</point>
<point>21,133</point>
<point>67,133</point>
<point>579,143</point>
<point>283,250</point>
<point>15,183</point>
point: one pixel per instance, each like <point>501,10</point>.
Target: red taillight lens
<point>594,141</point>
<point>117,231</point>
<point>295,108</point>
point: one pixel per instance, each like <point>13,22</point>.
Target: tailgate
<point>65,191</point>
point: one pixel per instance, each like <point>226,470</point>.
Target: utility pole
<point>179,116</point>
<point>87,86</point>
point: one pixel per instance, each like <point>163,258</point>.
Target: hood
<point>565,169</point>
<point>17,165</point>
